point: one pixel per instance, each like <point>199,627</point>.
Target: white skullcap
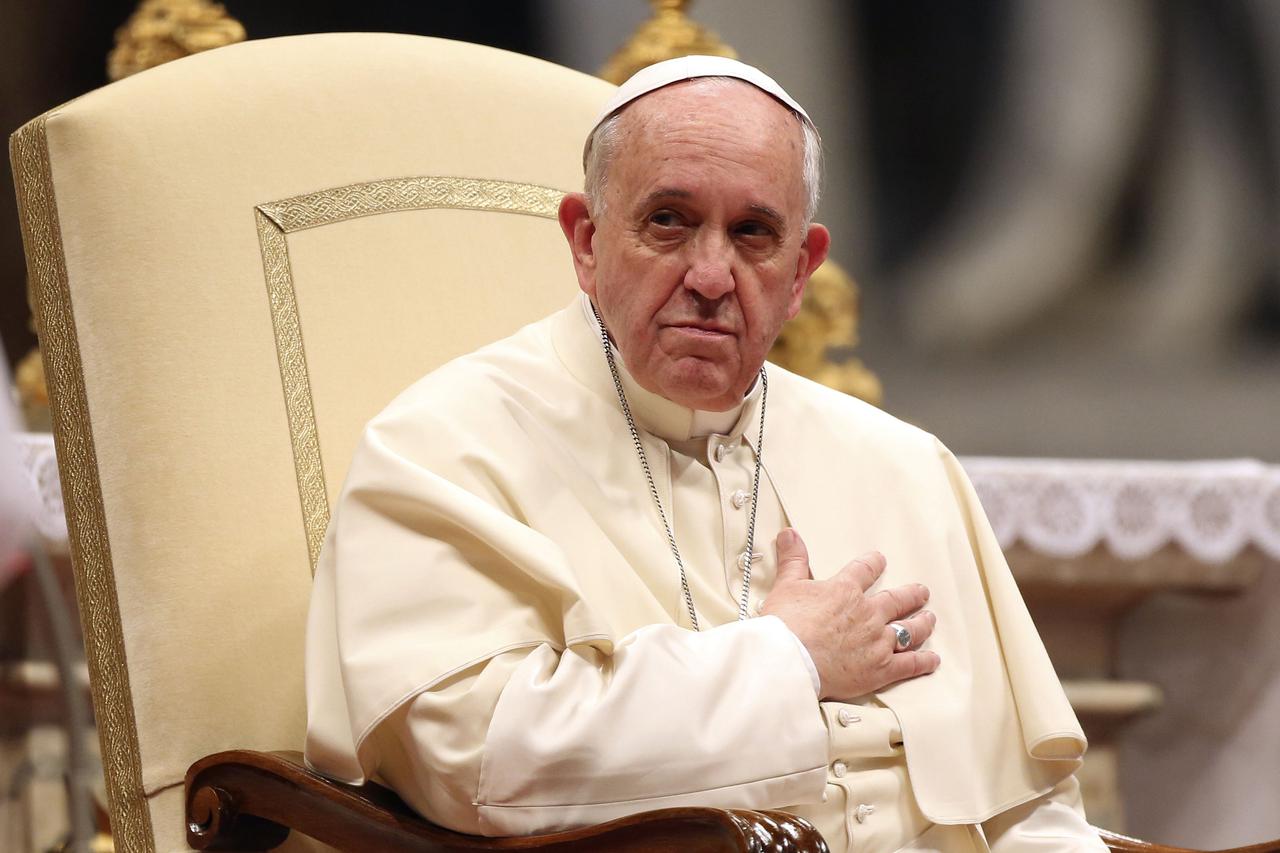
<point>665,73</point>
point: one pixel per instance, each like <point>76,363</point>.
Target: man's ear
<point>579,230</point>
<point>813,251</point>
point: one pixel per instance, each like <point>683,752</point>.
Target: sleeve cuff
<point>804,656</point>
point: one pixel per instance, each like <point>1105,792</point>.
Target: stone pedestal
<point>1078,606</point>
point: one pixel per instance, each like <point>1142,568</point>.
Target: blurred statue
<point>164,30</point>
<point>818,341</point>
<point>668,34</point>
<point>33,393</point>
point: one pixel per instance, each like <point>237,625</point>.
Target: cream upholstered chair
<point>237,259</point>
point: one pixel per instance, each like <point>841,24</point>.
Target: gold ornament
<point>163,30</point>
<point>668,34</point>
<point>33,393</point>
<point>818,342</point>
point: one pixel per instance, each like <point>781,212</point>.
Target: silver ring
<point>901,635</point>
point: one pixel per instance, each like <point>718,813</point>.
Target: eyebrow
<point>764,211</point>
<point>664,193</point>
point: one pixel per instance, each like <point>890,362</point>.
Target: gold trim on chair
<point>426,193</point>
<point>296,383</point>
<point>277,219</point>
<point>81,488</point>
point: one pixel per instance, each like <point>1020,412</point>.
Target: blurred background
<point>1062,216</point>
<point>1062,221</point>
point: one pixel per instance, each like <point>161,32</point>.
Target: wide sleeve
<point>540,740</point>
<point>1051,823</point>
<point>422,577</point>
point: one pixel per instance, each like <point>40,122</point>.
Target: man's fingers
<point>920,625</point>
<point>865,570</point>
<point>906,665</point>
<point>793,557</point>
<point>901,601</point>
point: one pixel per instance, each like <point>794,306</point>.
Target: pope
<point>617,562</point>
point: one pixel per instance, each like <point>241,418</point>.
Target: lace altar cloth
<point>40,465</point>
<point>1066,508</point>
<point>1059,508</point>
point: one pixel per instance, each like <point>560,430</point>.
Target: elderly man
<point>616,563</point>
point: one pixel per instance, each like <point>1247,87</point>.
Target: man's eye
<point>753,229</point>
<point>665,219</point>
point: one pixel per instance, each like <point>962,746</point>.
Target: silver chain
<point>746,559</point>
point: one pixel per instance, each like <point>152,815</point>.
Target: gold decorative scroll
<point>668,34</point>
<point>33,391</point>
<point>81,488</point>
<point>160,31</point>
<point>818,343</point>
<point>277,219</point>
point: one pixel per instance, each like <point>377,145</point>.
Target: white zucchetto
<point>670,71</point>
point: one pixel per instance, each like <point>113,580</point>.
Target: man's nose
<point>710,272</point>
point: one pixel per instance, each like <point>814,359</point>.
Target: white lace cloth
<point>1060,508</point>
<point>40,465</point>
<point>1065,508</point>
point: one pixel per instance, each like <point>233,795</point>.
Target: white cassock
<point>497,629</point>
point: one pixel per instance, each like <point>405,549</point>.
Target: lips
<point>701,328</point>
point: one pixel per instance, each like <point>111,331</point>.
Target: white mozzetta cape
<point>522,518</point>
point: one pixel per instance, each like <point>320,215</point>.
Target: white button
<point>742,559</point>
<point>739,499</point>
<point>839,769</point>
<point>723,450</point>
<point>864,811</point>
<point>847,717</point>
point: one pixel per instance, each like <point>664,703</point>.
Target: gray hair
<point>602,144</point>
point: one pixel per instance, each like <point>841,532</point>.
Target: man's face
<point>701,253</point>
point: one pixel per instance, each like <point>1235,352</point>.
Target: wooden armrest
<point>245,800</point>
<point>1124,844</point>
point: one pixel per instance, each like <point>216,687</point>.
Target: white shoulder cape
<point>490,506</point>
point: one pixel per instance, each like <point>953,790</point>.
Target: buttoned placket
<point>732,463</point>
<point>861,737</point>
<point>860,804</point>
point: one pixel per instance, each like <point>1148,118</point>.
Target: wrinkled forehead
<point>698,128</point>
<point>686,99</point>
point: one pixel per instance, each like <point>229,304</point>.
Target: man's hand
<point>845,630</point>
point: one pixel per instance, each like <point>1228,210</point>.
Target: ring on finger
<point>901,636</point>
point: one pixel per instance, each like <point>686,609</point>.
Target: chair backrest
<point>238,258</point>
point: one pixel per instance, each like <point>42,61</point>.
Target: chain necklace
<point>746,559</point>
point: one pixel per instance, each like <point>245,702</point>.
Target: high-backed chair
<point>237,259</point>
